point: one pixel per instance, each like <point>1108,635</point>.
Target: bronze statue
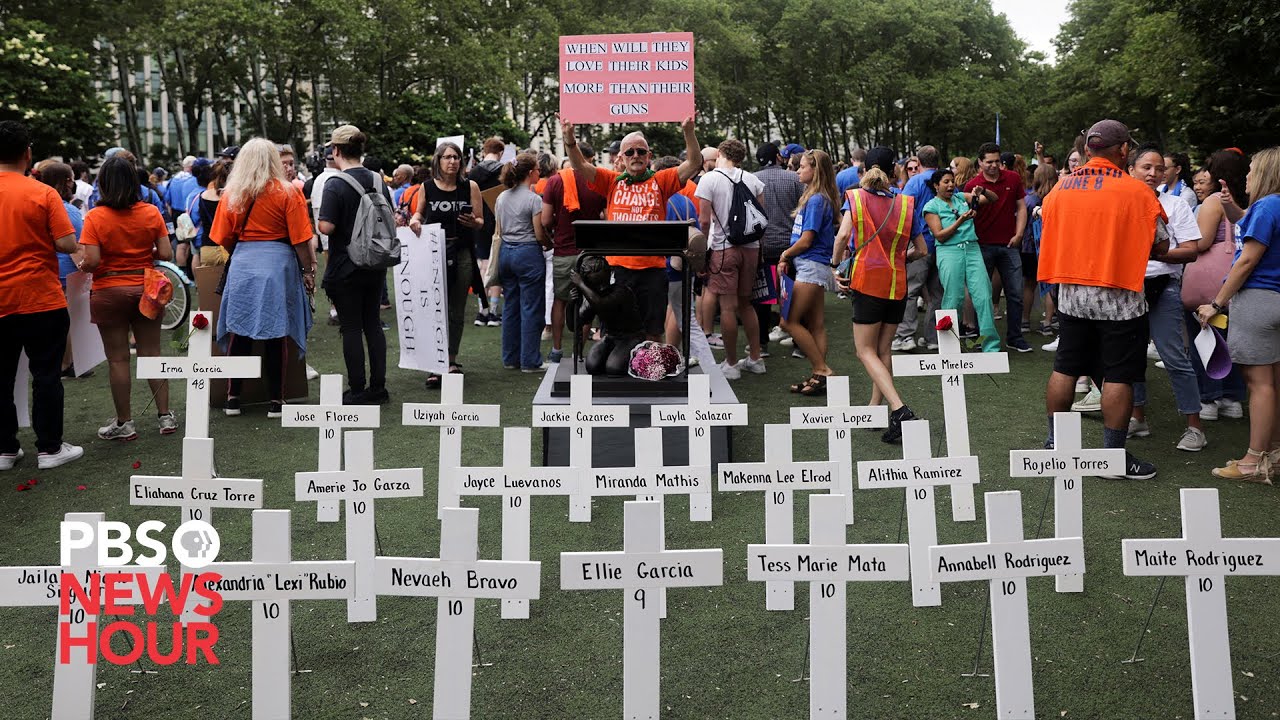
<point>619,313</point>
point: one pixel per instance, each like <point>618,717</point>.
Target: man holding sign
<point>638,194</point>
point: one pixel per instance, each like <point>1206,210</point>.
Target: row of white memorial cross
<point>645,568</point>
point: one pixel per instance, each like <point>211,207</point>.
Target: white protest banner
<point>87,352</point>
<point>635,77</point>
<point>455,139</point>
<point>420,299</point>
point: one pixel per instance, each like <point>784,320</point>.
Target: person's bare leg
<point>1059,393</point>
<point>798,327</point>
<point>869,340</point>
<point>115,343</point>
<point>1117,405</point>
<point>558,308</point>
<point>706,311</point>
<point>672,328</point>
<point>729,328</point>
<point>1261,381</point>
<point>750,325</point>
<point>147,335</point>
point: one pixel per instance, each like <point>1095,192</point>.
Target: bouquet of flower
<point>655,361</point>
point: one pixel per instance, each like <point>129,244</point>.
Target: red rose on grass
<point>22,487</point>
<point>32,481</point>
<point>81,487</point>
<point>944,323</point>
<point>137,464</point>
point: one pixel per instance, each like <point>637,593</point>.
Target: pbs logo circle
<point>196,544</point>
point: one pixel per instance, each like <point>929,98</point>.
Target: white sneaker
<point>65,454</point>
<point>1050,346</point>
<point>731,372</point>
<point>116,430</point>
<point>1089,403</point>
<point>1138,428</point>
<point>1208,411</point>
<point>8,460</point>
<point>755,367</point>
<point>1230,408</point>
<point>777,334</point>
<point>312,373</point>
<point>787,341</point>
<point>1160,364</point>
<point>715,341</point>
<point>797,354</point>
<point>1152,353</point>
<point>1082,385</point>
<point>903,345</point>
<point>1193,440</point>
<point>168,423</point>
<point>923,344</point>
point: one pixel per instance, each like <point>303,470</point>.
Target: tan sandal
<point>1254,472</point>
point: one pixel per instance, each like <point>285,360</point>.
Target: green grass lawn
<point>723,654</point>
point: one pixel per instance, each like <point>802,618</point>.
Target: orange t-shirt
<point>1099,225</point>
<point>32,216</point>
<point>126,239</point>
<point>539,186</point>
<point>644,201</point>
<point>690,187</point>
<point>278,213</point>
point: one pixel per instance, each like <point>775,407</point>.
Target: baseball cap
<point>767,153</point>
<point>792,149</point>
<point>1107,133</point>
<point>881,157</point>
<point>614,147</point>
<point>343,134</point>
<point>230,151</point>
<point>198,163</point>
<point>160,172</point>
<point>112,152</point>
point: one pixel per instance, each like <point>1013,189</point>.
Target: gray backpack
<point>374,244</point>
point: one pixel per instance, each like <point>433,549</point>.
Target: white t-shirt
<point>1182,228</point>
<point>83,191</point>
<point>317,194</point>
<point>717,186</point>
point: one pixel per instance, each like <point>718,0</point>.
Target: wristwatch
<point>1216,307</point>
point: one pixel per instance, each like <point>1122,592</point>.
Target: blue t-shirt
<point>395,195</point>
<point>1035,226</point>
<point>918,188</point>
<point>817,217</point>
<point>847,178</point>
<point>66,265</point>
<point>1262,223</point>
<point>176,194</point>
<point>948,213</point>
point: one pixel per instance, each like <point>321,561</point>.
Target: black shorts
<point>650,288</point>
<point>1030,263</point>
<point>1115,350</point>
<point>869,310</point>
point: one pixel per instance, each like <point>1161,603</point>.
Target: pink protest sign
<point>638,77</point>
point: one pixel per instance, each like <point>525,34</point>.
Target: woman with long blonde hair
<point>882,233</point>
<point>1252,292</point>
<point>262,223</point>
<point>963,169</point>
<point>808,262</point>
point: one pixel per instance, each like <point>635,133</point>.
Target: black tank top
<point>208,208</point>
<point>444,206</point>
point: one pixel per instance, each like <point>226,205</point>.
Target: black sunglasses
<point>636,151</point>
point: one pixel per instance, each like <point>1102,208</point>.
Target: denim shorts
<point>814,273</point>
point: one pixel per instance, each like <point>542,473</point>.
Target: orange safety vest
<point>879,265</point>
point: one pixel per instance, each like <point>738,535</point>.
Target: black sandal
<point>455,368</point>
<point>797,387</point>
<point>433,381</point>
<point>815,385</point>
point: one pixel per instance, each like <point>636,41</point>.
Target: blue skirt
<point>264,297</point>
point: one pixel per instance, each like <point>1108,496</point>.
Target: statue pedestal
<point>603,386</point>
<point>615,447</point>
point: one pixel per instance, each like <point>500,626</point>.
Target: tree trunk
<point>132,138</point>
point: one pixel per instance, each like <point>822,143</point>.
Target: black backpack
<point>747,219</point>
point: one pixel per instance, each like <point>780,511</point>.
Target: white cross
<point>359,485</point>
<point>953,364</point>
<point>699,416</point>
<point>197,492</point>
<point>331,416</point>
<point>196,370</point>
<point>457,578</point>
<point>1067,464</point>
<point>1205,558</point>
<point>827,563</point>
<point>641,566</point>
<point>272,580</point>
<point>516,482</point>
<point>838,418</point>
<point>74,682</point>
<point>450,415</point>
<point>919,474</point>
<point>778,477</point>
<point>580,416</point>
<point>1007,560</point>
